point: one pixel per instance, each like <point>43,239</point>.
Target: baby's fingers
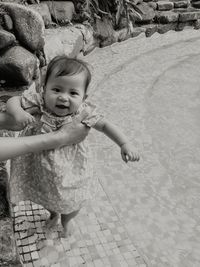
<point>124,157</point>
<point>133,157</point>
<point>30,119</point>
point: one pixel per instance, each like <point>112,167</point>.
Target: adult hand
<point>74,132</point>
<point>7,122</point>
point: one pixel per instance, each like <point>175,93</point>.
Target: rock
<point>103,27</point>
<point>8,23</point>
<point>17,66</point>
<point>89,42</point>
<point>104,31</point>
<point>196,4</point>
<point>43,10</point>
<point>151,29</point>
<point>13,1</point>
<point>163,28</point>
<point>197,24</point>
<point>147,12</point>
<point>164,5</point>
<point>152,5</point>
<point>181,4</point>
<point>9,256</point>
<point>6,39</point>
<point>167,17</point>
<point>137,30</point>
<point>181,25</point>
<point>64,40</point>
<point>29,25</point>
<point>123,22</point>
<point>188,16</point>
<point>122,35</point>
<point>61,10</point>
<point>4,202</point>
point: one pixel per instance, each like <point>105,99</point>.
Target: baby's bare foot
<point>68,230</point>
<point>52,221</point>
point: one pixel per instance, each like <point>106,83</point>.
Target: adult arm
<point>69,134</point>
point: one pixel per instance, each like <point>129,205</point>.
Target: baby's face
<point>63,95</point>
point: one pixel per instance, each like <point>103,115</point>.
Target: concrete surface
<point>151,88</point>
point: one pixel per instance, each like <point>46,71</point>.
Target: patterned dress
<point>60,179</point>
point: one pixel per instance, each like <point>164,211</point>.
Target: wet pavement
<point>146,213</point>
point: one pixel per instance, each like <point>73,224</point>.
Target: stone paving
<point>99,239</point>
<point>146,213</point>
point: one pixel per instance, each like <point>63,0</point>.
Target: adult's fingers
<point>80,117</point>
<point>33,110</point>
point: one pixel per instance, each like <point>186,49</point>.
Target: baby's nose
<point>63,98</point>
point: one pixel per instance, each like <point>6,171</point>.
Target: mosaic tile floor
<point>99,238</point>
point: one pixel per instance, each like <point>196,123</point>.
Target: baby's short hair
<point>63,65</point>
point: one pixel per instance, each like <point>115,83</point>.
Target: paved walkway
<point>146,213</point>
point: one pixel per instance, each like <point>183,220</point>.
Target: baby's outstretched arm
<point>119,138</point>
<point>14,108</point>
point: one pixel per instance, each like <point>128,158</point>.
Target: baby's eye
<point>56,90</point>
<point>74,93</point>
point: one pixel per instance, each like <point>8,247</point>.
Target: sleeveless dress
<point>60,179</point>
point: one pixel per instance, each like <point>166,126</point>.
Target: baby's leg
<point>52,220</point>
<point>67,225</point>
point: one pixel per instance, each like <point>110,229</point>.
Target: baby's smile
<point>62,109</point>
<point>61,106</point>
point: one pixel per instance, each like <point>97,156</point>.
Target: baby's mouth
<point>62,106</point>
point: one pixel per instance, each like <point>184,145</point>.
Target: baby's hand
<point>23,118</point>
<point>128,154</point>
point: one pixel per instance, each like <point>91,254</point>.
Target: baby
<point>61,180</point>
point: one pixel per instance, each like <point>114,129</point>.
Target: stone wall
<point>32,32</point>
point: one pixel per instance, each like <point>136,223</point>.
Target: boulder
<point>189,16</point>
<point>29,25</point>
<point>13,1</point>
<point>163,28</point>
<point>63,40</point>
<point>167,17</point>
<point>61,10</point>
<point>43,10</point>
<point>89,42</point>
<point>165,5</point>
<point>152,5</point>
<point>9,255</point>
<point>147,13</point>
<point>151,29</point>
<point>181,4</point>
<point>104,32</point>
<point>6,39</point>
<point>197,24</point>
<point>196,4</point>
<point>17,66</point>
<point>8,252</point>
